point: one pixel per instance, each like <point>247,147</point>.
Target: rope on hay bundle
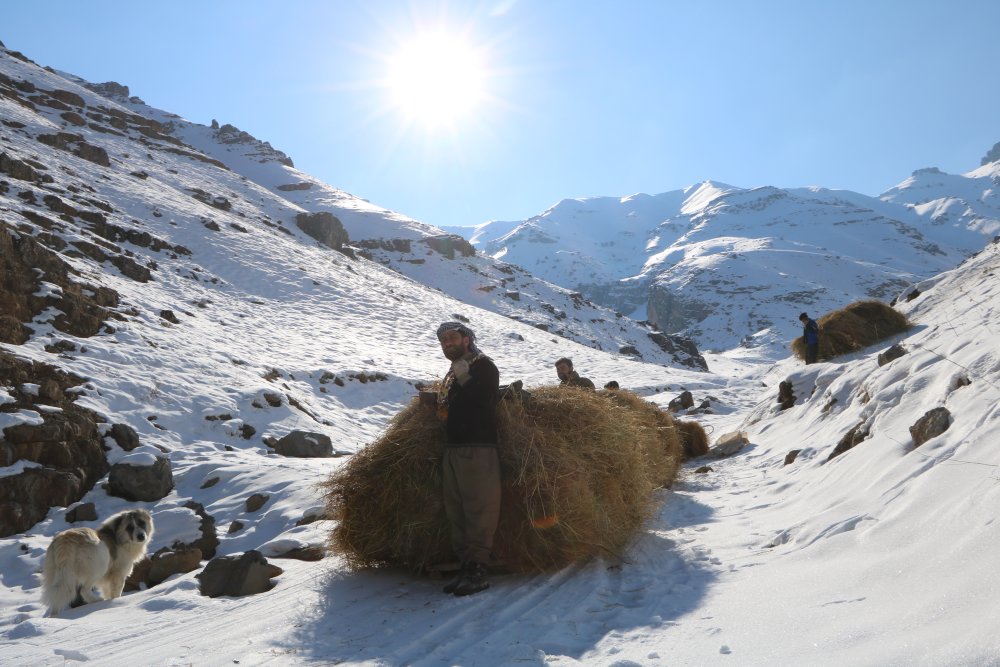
<point>579,471</point>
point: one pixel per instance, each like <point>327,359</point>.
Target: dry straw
<point>694,440</point>
<point>579,471</point>
<point>853,328</point>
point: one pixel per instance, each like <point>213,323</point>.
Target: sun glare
<point>436,80</point>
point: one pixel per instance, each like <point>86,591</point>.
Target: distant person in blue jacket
<point>810,336</point>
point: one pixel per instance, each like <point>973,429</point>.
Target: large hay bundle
<point>854,327</point>
<point>663,453</point>
<point>578,475</point>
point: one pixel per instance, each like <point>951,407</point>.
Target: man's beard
<point>453,352</point>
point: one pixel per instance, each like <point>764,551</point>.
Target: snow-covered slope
<point>679,258</point>
<point>423,252</point>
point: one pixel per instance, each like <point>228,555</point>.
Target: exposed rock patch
<point>59,444</point>
<point>26,263</point>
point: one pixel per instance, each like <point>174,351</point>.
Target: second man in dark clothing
<point>810,336</point>
<point>567,376</point>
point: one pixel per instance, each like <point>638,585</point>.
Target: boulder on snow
<point>256,501</point>
<point>729,444</point>
<point>684,401</point>
<point>305,444</point>
<point>893,353</point>
<point>141,478</point>
<point>786,395</point>
<point>124,436</point>
<point>851,439</point>
<point>932,424</point>
<point>82,512</point>
<point>246,574</point>
<point>162,565</point>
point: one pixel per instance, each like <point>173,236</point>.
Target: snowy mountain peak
<point>678,258</point>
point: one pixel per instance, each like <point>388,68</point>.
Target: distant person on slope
<point>810,336</point>
<point>569,377</point>
<point>467,402</point>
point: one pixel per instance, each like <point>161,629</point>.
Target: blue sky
<point>578,98</point>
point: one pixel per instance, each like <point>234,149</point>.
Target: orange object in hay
<point>545,521</point>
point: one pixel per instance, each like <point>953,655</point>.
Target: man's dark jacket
<point>574,380</point>
<point>472,407</point>
<point>810,332</point>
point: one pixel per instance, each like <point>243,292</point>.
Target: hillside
<point>421,251</point>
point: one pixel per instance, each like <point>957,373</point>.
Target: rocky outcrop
<point>110,89</point>
<point>324,227</point>
<point>230,134</point>
<point>672,312</point>
<point>57,444</point>
<point>682,349</point>
<point>682,402</point>
<point>22,170</point>
<point>992,156</point>
<point>25,263</point>
<point>75,144</point>
<point>449,244</point>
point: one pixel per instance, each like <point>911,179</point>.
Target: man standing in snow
<point>810,336</point>
<point>567,376</point>
<point>467,401</point>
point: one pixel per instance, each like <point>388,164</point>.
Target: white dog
<point>84,565</point>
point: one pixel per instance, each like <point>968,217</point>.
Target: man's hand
<point>460,368</point>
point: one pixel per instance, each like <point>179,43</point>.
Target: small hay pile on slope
<point>578,477</point>
<point>854,327</point>
<point>694,440</point>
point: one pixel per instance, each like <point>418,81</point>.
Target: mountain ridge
<point>672,258</point>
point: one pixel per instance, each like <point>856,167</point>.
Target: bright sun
<point>436,80</point>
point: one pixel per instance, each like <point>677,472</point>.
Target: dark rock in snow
<point>932,424</point>
<point>236,576</point>
<point>138,482</point>
<point>305,444</point>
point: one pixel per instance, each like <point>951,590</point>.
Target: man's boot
<point>473,581</point>
<point>450,587</point>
